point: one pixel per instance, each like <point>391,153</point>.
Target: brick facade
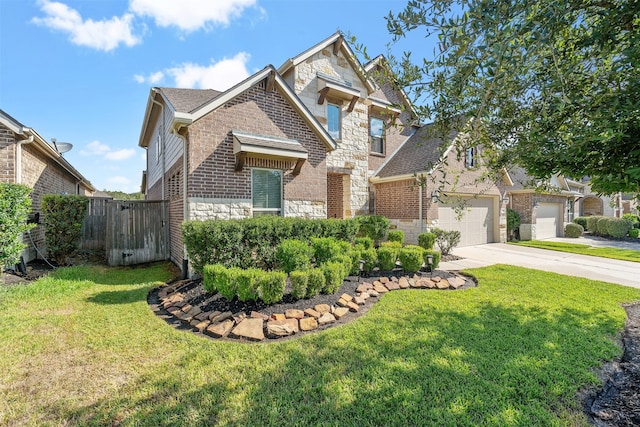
<point>335,196</point>
<point>7,155</point>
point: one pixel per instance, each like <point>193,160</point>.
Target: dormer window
<point>333,120</point>
<point>471,160</point>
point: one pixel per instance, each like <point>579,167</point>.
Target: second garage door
<point>475,226</point>
<point>547,220</point>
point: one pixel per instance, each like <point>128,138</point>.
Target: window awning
<point>268,147</point>
<point>382,106</point>
<point>334,88</point>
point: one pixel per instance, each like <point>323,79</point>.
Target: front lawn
<point>577,248</point>
<point>81,347</point>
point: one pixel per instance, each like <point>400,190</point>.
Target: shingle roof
<point>188,100</point>
<point>419,153</point>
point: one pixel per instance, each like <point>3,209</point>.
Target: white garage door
<point>547,220</point>
<point>475,225</point>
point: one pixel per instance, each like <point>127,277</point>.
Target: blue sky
<point>80,71</point>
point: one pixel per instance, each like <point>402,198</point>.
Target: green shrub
<point>272,285</point>
<point>573,230</point>
<point>582,221</point>
<point>15,204</point>
<point>436,257</point>
<point>333,275</point>
<point>592,224</point>
<point>293,255</point>
<point>388,244</point>
<point>396,236</point>
<point>426,240</point>
<point>211,276</point>
<point>299,281</point>
<point>325,248</point>
<point>226,287</point>
<point>411,258</point>
<point>618,227</point>
<point>602,226</point>
<point>387,257</point>
<point>634,232</point>
<point>63,218</point>
<point>316,282</point>
<point>369,256</point>
<point>513,221</point>
<point>373,226</point>
<point>364,241</point>
<point>246,282</point>
<point>212,242</point>
<point>447,240</point>
<point>635,219</point>
<point>346,262</point>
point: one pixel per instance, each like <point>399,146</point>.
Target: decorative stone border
<point>168,301</point>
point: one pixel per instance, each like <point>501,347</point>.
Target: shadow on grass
<point>412,360</point>
<point>124,296</point>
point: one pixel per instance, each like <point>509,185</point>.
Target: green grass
<point>576,248</point>
<point>81,347</point>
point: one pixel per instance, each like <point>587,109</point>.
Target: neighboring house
<point>30,160</point>
<point>614,205</point>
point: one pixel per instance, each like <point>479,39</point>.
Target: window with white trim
<point>266,192</point>
<point>333,120</point>
<point>376,135</point>
<point>471,160</point>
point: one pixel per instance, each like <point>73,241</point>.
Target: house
<point>30,160</point>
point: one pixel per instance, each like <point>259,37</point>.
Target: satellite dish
<point>61,147</point>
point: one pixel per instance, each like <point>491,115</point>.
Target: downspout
<point>185,205</point>
<point>18,171</point>
<point>420,189</point>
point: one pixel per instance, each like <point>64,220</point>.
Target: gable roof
<point>420,153</point>
<point>207,100</point>
<point>337,39</point>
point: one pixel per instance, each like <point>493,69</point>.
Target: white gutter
<point>19,157</point>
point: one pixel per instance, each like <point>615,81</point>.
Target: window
<point>376,133</point>
<point>159,149</point>
<point>333,120</point>
<point>471,157</point>
<point>266,191</point>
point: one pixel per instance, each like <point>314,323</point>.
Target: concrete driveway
<point>607,270</point>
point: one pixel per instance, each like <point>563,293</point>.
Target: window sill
<point>374,154</point>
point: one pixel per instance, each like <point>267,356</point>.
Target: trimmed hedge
<point>316,282</point>
<point>368,255</point>
<point>634,232</point>
<point>573,230</point>
<point>618,227</point>
<point>426,240</point>
<point>592,224</point>
<point>293,255</point>
<point>436,257</point>
<point>299,281</point>
<point>15,205</point>
<point>334,276</point>
<point>325,248</point>
<point>211,277</point>
<point>247,283</point>
<point>373,226</point>
<point>602,226</point>
<point>411,258</point>
<point>252,242</point>
<point>635,219</point>
<point>364,241</point>
<point>63,218</point>
<point>582,221</point>
<point>272,285</point>
<point>396,236</point>
<point>387,257</point>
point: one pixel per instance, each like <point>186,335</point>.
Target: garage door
<point>475,226</point>
<point>547,220</point>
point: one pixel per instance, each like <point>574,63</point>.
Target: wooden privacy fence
<point>130,232</point>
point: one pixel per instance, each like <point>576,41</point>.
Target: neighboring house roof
<point>420,153</point>
<point>23,133</point>
<point>523,182</point>
<point>338,42</point>
<point>182,119</point>
<point>188,100</point>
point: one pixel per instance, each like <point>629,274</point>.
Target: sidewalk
<point>625,273</point>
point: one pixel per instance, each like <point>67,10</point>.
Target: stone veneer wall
<point>353,147</point>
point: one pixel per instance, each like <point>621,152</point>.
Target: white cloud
<point>190,15</point>
<point>152,79</point>
<point>219,75</point>
<point>104,35</point>
<point>96,148</point>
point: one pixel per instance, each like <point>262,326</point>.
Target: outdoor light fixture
<point>362,267</point>
<point>505,199</point>
<point>430,263</point>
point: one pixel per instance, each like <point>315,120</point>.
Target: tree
<point>555,85</point>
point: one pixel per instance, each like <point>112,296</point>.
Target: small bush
<point>426,240</point>
<point>387,257</point>
<point>293,255</point>
<point>272,285</point>
<point>618,227</point>
<point>333,275</point>
<point>364,241</point>
<point>592,224</point>
<point>369,256</point>
<point>573,230</point>
<point>246,283</point>
<point>582,221</point>
<point>211,277</point>
<point>316,282</point>
<point>63,218</point>
<point>388,244</point>
<point>602,226</point>
<point>15,204</point>
<point>411,258</point>
<point>299,281</point>
<point>373,226</point>
<point>447,240</point>
<point>436,257</point>
<point>634,232</point>
<point>226,287</point>
<point>346,262</point>
<point>635,219</point>
<point>324,249</point>
<point>513,221</point>
<point>396,236</point>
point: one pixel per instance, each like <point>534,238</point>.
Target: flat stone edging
<point>168,303</point>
